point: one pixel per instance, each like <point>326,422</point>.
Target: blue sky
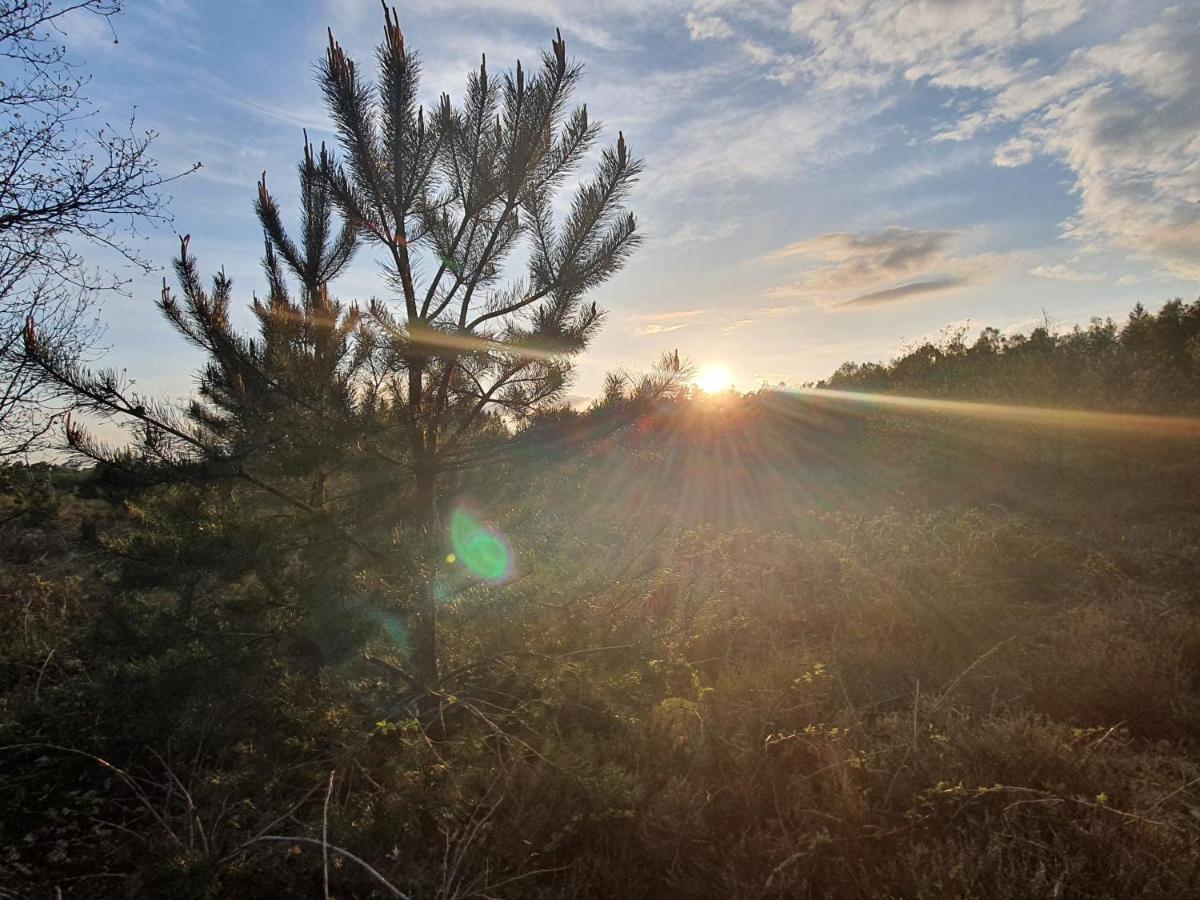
<point>825,180</point>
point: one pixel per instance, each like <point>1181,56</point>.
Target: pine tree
<point>390,400</point>
<point>293,391</point>
<point>452,196</point>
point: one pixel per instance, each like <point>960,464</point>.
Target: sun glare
<point>714,378</point>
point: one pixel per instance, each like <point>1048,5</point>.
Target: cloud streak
<point>907,291</point>
<point>846,270</point>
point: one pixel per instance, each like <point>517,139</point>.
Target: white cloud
<point>637,99</point>
<point>1132,139</point>
<point>1017,152</point>
<point>704,27</point>
<point>759,53</point>
<point>1063,272</point>
<point>953,43</point>
<point>1124,117</point>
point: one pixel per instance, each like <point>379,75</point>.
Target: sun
<point>715,378</point>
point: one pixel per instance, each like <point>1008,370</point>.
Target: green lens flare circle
<point>481,551</point>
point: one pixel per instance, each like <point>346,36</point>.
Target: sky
<point>825,181</point>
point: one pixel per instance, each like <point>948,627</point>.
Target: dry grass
<point>912,686</point>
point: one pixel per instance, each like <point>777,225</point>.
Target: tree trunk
<point>316,494</point>
<point>424,634</point>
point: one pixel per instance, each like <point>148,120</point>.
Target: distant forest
<point>1151,363</point>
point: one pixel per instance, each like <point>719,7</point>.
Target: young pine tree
<point>288,400</point>
<point>450,198</point>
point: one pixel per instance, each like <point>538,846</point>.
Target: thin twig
<point>37,688</point>
<point>1179,790</point>
<point>325,832</point>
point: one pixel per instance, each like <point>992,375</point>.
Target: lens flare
<point>424,335</point>
<point>483,552</point>
<point>396,629</point>
<point>1079,420</point>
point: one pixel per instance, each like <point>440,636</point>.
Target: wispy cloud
<point>774,312</point>
<point>600,25</point>
<point>737,325</point>
<point>312,117</point>
<point>959,44</point>
<point>730,146</point>
<point>658,329</point>
<point>695,232</point>
<point>669,315</point>
<point>847,270</point>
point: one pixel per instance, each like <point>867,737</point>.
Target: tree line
<point>1148,363</point>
